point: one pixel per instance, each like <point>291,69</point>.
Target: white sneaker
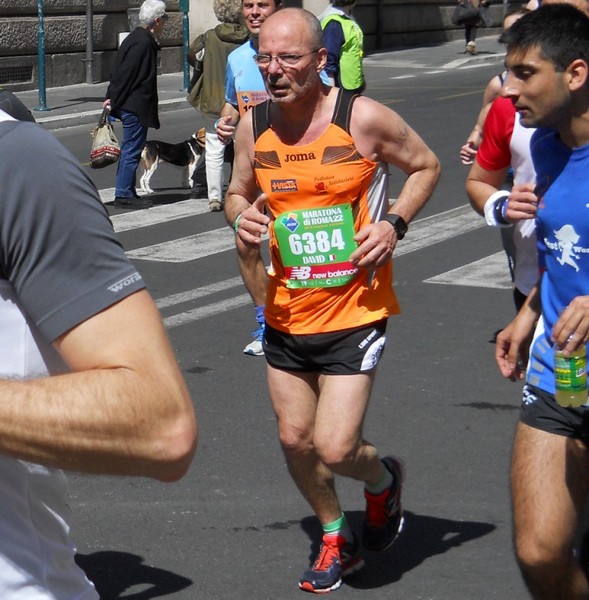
<point>255,348</point>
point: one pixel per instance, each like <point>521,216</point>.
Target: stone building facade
<point>64,39</point>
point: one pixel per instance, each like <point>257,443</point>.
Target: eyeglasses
<point>284,60</point>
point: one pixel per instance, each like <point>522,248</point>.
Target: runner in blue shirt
<point>548,82</point>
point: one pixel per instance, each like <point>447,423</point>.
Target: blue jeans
<point>134,136</point>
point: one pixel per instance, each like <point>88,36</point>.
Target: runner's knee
<point>538,552</point>
<point>336,453</point>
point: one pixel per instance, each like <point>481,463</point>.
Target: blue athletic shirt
<point>562,227</point>
<point>244,84</point>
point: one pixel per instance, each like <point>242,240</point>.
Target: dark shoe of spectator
<point>132,203</point>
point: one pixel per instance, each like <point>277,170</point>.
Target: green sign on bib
<point>315,245</point>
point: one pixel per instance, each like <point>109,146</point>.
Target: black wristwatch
<point>398,223</point>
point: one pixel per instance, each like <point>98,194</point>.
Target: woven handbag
<point>465,11</point>
<point>105,146</point>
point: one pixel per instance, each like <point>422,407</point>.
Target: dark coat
<point>133,84</point>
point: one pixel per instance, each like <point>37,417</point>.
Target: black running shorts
<point>346,352</point>
<point>540,410</point>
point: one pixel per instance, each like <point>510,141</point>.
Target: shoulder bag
<point>465,11</point>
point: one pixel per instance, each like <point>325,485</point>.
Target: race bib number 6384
<point>315,245</point>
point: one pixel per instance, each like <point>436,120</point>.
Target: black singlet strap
<point>260,118</point>
<point>342,114</point>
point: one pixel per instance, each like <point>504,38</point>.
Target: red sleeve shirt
<point>494,152</point>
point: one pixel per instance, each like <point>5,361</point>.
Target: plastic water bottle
<point>570,373</point>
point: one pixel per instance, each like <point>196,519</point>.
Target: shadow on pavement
<point>169,195</point>
<point>80,101</point>
<point>115,574</point>
<point>421,538</point>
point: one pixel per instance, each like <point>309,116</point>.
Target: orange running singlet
<point>318,197</point>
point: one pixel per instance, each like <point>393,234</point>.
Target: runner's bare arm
<point>227,122</point>
<point>240,200</point>
<point>381,134</point>
<point>481,184</point>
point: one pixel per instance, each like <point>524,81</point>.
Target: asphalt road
<point>235,527</point>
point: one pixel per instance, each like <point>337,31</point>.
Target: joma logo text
<point>301,156</point>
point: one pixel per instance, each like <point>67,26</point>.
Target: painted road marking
<point>489,272</point>
<point>158,214</point>
<point>196,293</point>
<point>438,228</point>
<point>215,308</point>
<point>189,248</point>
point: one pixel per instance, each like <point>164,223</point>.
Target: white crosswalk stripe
<point>158,214</point>
<point>488,272</point>
<point>179,309</point>
<point>196,293</point>
<point>207,311</point>
<point>188,248</point>
<point>438,228</point>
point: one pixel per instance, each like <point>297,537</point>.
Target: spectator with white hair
<point>132,97</point>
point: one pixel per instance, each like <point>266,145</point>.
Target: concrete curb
<point>90,117</point>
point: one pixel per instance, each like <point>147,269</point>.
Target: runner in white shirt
<point>507,144</point>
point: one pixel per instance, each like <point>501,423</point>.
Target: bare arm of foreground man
<point>124,409</point>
